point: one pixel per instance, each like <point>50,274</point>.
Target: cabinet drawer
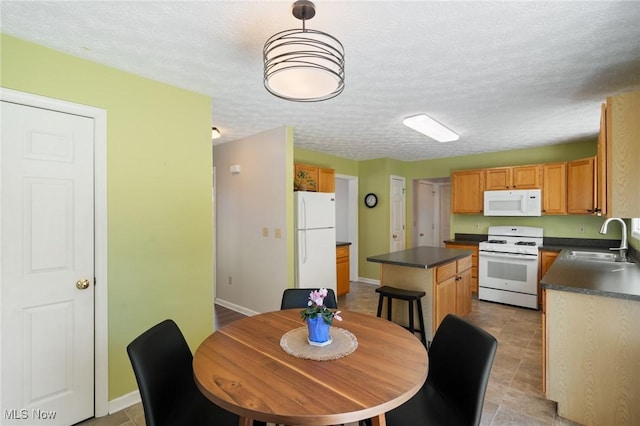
<point>445,272</point>
<point>342,251</point>
<point>464,264</point>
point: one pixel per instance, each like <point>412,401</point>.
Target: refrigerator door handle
<point>303,214</point>
<point>303,245</point>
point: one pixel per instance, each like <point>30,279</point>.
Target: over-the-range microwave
<point>521,202</point>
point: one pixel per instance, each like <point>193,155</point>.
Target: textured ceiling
<point>504,75</point>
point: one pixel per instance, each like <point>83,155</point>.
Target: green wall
<point>159,193</point>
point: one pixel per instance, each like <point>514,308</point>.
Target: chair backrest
<point>162,363</point>
<point>460,360</point>
<point>299,297</point>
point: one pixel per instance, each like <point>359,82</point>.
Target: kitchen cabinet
<point>326,180</point>
<point>474,262</point>
<point>590,350</point>
<point>547,257</point>
<point>581,186</point>
<point>554,188</point>
<point>452,289</point>
<point>622,175</point>
<point>516,177</point>
<point>313,178</point>
<point>467,191</point>
<point>305,177</point>
<point>443,274</point>
<point>342,269</point>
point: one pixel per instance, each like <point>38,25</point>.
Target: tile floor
<point>513,395</point>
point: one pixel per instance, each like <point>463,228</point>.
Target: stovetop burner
<point>497,241</point>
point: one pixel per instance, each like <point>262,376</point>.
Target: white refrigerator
<point>315,240</point>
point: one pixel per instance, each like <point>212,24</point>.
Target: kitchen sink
<point>593,256</point>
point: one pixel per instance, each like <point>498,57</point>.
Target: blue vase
<point>318,330</point>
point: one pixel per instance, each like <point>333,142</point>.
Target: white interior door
<point>445,213</point>
<point>47,252</point>
<point>398,213</point>
<point>426,217</point>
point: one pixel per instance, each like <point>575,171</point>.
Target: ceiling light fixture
<point>215,133</point>
<point>428,126</point>
<point>303,65</point>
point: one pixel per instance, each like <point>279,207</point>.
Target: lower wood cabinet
<point>474,262</point>
<point>342,270</point>
<point>547,257</point>
<point>452,290</point>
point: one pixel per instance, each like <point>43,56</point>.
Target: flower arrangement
<point>303,181</point>
<point>316,307</point>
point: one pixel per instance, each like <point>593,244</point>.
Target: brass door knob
<point>82,284</point>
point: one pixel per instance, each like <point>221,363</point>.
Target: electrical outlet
<point>477,226</point>
<point>230,280</point>
<point>265,232</point>
<point>277,233</point>
<point>581,229</point>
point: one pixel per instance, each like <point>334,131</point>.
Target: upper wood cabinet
<point>581,186</point>
<point>554,188</point>
<point>313,178</point>
<point>467,191</point>
<point>622,144</point>
<point>517,177</point>
<point>326,180</point>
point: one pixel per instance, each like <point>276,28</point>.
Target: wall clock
<point>370,200</point>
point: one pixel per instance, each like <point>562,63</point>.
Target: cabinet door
<point>445,300</point>
<point>580,186</point>
<point>526,177</point>
<point>463,293</point>
<point>554,188</point>
<point>498,178</point>
<point>547,257</point>
<point>623,153</point>
<point>342,270</point>
<point>474,262</point>
<point>326,180</point>
<point>467,191</point>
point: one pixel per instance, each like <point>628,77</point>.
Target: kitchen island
<point>591,340</point>
<point>443,274</point>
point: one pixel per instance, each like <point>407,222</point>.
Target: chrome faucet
<point>623,242</point>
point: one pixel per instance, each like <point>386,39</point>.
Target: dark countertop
<point>420,257</point>
<point>342,243</point>
<point>618,280</point>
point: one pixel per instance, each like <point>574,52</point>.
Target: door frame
<point>352,197</point>
<point>99,116</point>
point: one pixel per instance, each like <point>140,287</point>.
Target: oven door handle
<point>508,256</point>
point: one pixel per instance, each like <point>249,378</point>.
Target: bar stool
<point>410,296</point>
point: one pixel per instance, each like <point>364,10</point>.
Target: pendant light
<point>303,65</point>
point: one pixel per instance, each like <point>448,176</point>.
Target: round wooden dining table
<point>243,368</point>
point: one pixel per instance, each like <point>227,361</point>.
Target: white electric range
<point>508,265</point>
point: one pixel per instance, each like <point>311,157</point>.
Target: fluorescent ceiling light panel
<point>428,126</point>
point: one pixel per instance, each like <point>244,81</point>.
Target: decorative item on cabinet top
<point>303,181</point>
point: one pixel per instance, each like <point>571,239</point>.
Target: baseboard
<point>237,308</point>
<point>124,401</point>
<point>368,281</point>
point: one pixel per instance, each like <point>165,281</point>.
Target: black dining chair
<point>162,364</point>
<point>460,360</point>
<point>299,297</point>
